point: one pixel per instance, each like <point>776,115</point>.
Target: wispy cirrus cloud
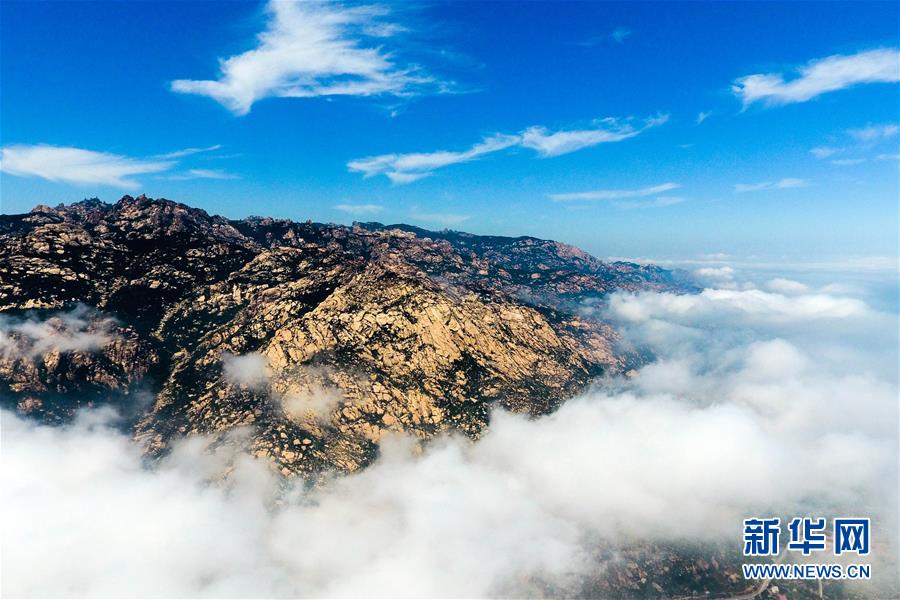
<point>311,49</point>
<point>820,76</point>
<point>203,174</point>
<point>873,133</point>
<point>864,140</point>
<point>406,168</point>
<point>781,184</point>
<point>618,194</point>
<point>211,174</point>
<point>409,167</point>
<point>77,166</point>
<point>702,116</point>
<point>359,209</point>
<point>189,152</point>
<point>824,151</point>
<point>556,143</point>
<point>618,35</point>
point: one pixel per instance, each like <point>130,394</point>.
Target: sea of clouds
<point>767,396</point>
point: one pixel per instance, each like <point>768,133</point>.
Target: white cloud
<point>313,49</point>
<point>615,194</point>
<point>618,35</point>
<point>88,167</point>
<point>556,143</point>
<point>70,331</point>
<point>210,174</point>
<point>359,209</point>
<point>702,116</point>
<point>406,168</point>
<point>866,139</point>
<point>202,174</point>
<point>77,166</point>
<point>873,133</point>
<point>820,76</point>
<point>189,152</point>
<point>736,305</point>
<point>800,418</point>
<point>824,151</point>
<point>888,157</point>
<point>317,401</point>
<point>782,184</point>
<point>250,370</point>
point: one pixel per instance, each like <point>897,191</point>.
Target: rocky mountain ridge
<point>316,338</point>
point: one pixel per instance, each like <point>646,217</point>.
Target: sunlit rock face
<point>317,339</point>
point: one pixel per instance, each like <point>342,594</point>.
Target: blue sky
<point>632,129</point>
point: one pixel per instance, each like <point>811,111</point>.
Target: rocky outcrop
<point>319,339</point>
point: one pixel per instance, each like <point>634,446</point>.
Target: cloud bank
<point>820,76</point>
<point>406,168</point>
<point>757,403</point>
<point>313,49</point>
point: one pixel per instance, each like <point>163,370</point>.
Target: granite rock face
<point>317,339</point>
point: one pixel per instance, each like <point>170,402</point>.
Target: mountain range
<point>319,338</point>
